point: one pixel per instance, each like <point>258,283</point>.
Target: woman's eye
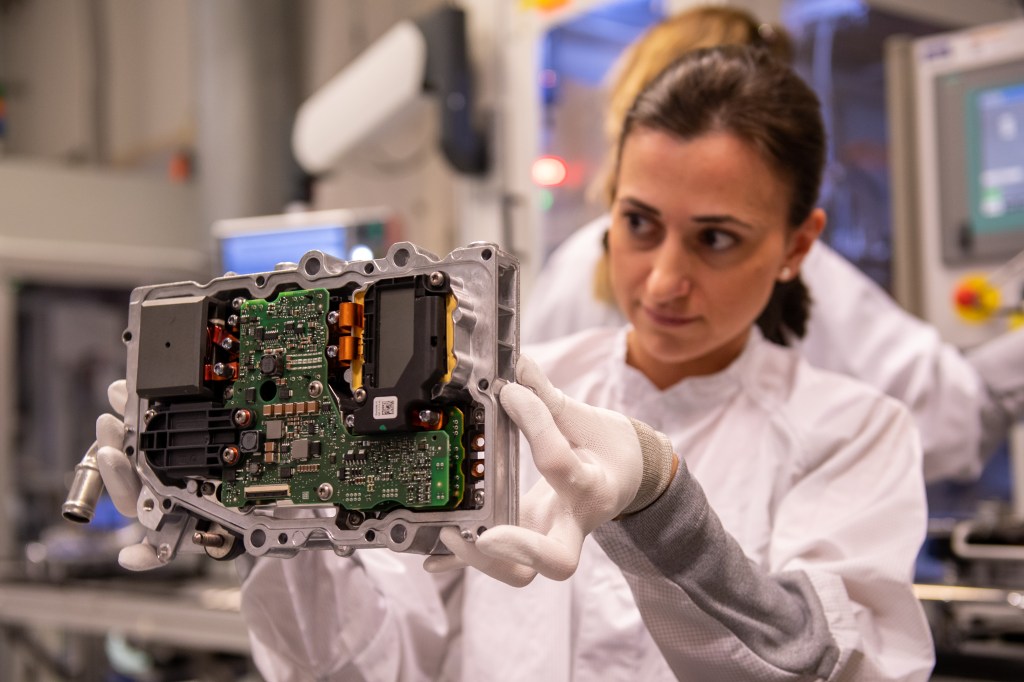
<point>638,225</point>
<point>717,240</point>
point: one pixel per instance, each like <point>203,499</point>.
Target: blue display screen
<point>261,251</point>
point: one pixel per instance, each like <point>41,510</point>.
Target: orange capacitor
<point>350,317</point>
<point>348,350</point>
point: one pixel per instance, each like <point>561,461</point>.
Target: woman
<point>963,406</point>
<point>778,545</point>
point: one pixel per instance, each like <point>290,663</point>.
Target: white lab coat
<point>855,329</point>
<point>811,473</point>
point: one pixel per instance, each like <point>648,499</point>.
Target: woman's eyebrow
<point>721,220</point>
<point>637,204</point>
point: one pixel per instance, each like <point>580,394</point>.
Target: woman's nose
<point>669,277</point>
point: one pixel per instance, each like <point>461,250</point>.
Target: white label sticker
<point>385,407</point>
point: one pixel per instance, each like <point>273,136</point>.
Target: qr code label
<point>385,407</point>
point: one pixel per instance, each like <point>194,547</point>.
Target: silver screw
<point>350,421</point>
<point>208,488</point>
<point>315,389</point>
<point>354,519</point>
<point>478,497</point>
<point>332,317</point>
<point>468,536</point>
<point>332,352</point>
<point>163,553</point>
<point>236,303</point>
<point>325,491</point>
<point>227,343</point>
<point>436,278</point>
<point>233,320</point>
<point>360,395</point>
<point>429,417</point>
<point>344,551</point>
<point>148,417</point>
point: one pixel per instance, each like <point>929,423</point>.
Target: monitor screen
<point>995,130</point>
<point>249,245</point>
<point>979,141</point>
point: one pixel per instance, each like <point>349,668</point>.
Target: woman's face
<point>699,237</point>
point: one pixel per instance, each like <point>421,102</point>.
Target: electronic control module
<point>326,405</point>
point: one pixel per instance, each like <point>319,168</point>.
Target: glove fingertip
<point>109,430</point>
<point>117,396</point>
<point>140,557</point>
<point>441,563</point>
<point>120,480</point>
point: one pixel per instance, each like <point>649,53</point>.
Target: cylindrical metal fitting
<point>86,489</point>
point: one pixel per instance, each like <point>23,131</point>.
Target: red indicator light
<point>549,171</point>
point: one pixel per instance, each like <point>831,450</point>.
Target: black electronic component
<point>405,351</point>
<point>270,364</point>
<point>186,439</point>
<point>249,441</point>
<point>172,347</point>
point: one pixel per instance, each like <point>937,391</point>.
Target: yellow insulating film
<point>450,325</point>
<point>357,361</point>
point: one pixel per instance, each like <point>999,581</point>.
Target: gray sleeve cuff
<point>657,453</point>
<point>778,617</point>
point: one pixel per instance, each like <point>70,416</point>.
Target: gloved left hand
<point>597,465</point>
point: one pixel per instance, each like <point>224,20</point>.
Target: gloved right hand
<point>119,476</point>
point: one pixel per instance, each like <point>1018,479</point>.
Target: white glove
<point>119,477</point>
<point>597,464</point>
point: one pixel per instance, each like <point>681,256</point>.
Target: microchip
<point>300,449</point>
<point>314,448</point>
<point>275,429</point>
<point>250,395</point>
<point>285,472</point>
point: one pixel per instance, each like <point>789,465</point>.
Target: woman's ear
<point>802,239</point>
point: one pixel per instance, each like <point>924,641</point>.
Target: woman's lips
<point>668,319</point>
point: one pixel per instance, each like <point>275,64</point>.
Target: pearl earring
<point>785,275</point>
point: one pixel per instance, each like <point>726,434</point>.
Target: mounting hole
<point>480,530</point>
<point>401,258</point>
<point>370,536</point>
<point>166,504</point>
<point>486,254</point>
<point>167,344</point>
<point>148,504</point>
<point>398,533</point>
<point>282,539</point>
<point>483,384</point>
<point>129,451</point>
<point>312,266</point>
<point>268,391</point>
<point>368,268</point>
<point>127,336</point>
<point>261,281</point>
<point>258,538</point>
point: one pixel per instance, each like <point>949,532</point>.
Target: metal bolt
<point>316,389</point>
<point>222,370</point>
<point>359,395</point>
<point>232,320</point>
<point>208,488</point>
<point>148,417</point>
<point>230,455</point>
<point>344,551</point>
<point>325,491</point>
<point>242,418</point>
<point>208,539</point>
<point>227,343</point>
<point>478,497</point>
<point>436,278</point>
<point>164,552</point>
<point>236,303</point>
<point>468,536</point>
<point>354,519</point>
<point>429,417</point>
<point>350,421</point>
<point>332,352</point>
<point>333,317</point>
<point>478,416</point>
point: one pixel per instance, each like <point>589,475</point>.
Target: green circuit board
<point>297,446</point>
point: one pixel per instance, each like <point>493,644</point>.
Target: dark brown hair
<point>759,99</point>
